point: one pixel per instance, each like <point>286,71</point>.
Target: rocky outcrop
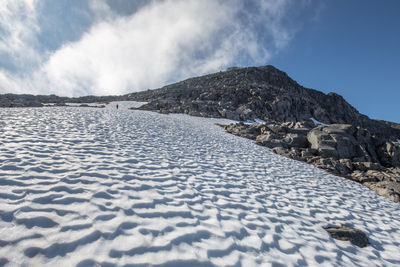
<point>342,149</point>
<point>257,92</point>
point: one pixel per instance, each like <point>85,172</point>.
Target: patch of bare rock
<point>348,233</point>
<point>342,149</point>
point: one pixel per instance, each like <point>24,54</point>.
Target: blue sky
<point>352,48</point>
<point>75,47</point>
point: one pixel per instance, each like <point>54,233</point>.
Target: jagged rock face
<point>258,92</point>
<point>344,141</point>
<point>339,141</point>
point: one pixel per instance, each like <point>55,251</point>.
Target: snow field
<point>108,187</point>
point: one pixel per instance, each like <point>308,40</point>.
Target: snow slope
<point>105,187</point>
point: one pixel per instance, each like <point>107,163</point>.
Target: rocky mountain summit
<point>347,143</point>
<point>256,92</point>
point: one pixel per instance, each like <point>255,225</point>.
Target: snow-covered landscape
<point>115,187</point>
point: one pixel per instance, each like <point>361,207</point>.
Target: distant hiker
<point>117,106</point>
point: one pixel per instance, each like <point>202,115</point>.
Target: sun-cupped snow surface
<point>115,187</point>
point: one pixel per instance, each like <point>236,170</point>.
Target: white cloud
<point>160,42</point>
<point>18,29</point>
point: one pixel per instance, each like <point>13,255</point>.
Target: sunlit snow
<point>89,187</point>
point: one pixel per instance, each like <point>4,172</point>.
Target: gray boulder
<point>322,142</point>
<point>337,141</point>
<point>296,140</point>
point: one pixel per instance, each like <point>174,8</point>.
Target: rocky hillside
<point>26,100</point>
<point>257,92</point>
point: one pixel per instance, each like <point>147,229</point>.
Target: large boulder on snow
<point>335,140</point>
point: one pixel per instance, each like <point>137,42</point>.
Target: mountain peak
<point>246,93</point>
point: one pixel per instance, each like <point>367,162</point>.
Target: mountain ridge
<point>263,92</point>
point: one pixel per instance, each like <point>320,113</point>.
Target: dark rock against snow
<point>348,233</point>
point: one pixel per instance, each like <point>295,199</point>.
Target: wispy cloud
<point>146,46</point>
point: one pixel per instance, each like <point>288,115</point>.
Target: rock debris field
<point>108,187</point>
